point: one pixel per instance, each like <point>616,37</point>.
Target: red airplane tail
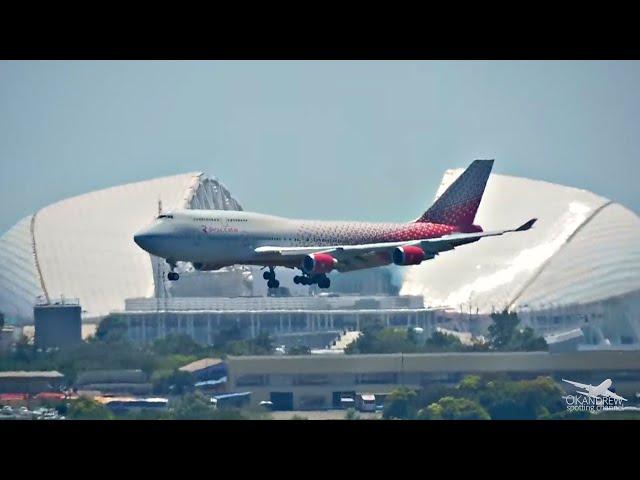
<point>459,203</point>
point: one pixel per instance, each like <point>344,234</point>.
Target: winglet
<point>527,225</point>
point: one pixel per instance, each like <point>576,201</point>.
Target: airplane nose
<point>145,238</point>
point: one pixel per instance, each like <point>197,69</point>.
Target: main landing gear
<point>322,280</point>
<point>270,276</point>
<point>172,276</point>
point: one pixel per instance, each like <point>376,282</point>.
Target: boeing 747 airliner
<point>212,239</point>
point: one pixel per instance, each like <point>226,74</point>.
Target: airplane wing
<point>354,257</point>
<point>577,384</point>
<point>609,394</point>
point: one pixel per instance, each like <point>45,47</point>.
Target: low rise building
<point>320,381</point>
<point>134,382</point>
<point>32,382</point>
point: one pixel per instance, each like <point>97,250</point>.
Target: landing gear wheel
<point>324,282</point>
<point>296,279</point>
<point>273,284</point>
<point>173,276</point>
<point>267,275</point>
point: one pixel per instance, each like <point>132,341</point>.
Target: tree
<point>505,335</point>
<point>352,414</point>
<point>440,341</point>
<point>262,344</point>
<point>521,400</point>
<point>400,404</point>
<point>451,408</point>
<point>175,382</point>
<point>299,350</point>
<point>193,406</point>
<point>503,329</point>
<point>1,322</point>
<point>87,409</point>
<point>112,330</point>
<point>179,344</point>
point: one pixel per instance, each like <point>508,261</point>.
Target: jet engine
<point>408,255</point>
<point>318,263</point>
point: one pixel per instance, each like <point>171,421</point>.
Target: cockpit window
<point>164,216</point>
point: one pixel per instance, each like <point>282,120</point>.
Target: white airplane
<point>212,239</point>
<point>596,391</point>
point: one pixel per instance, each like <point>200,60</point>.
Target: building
<point>133,382</point>
<point>317,382</point>
<point>57,324</point>
<point>7,338</point>
<point>53,252</point>
<point>579,264</point>
<point>314,320</point>
<point>31,382</point>
<point>122,405</point>
<point>206,369</point>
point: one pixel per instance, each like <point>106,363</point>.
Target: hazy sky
<point>344,140</point>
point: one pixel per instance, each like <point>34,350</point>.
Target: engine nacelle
<point>318,263</point>
<point>408,255</point>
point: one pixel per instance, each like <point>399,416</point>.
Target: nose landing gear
<point>270,276</point>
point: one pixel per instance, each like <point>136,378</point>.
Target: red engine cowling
<point>318,263</point>
<point>408,255</point>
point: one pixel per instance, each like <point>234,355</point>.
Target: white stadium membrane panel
<point>82,247</point>
<point>582,249</point>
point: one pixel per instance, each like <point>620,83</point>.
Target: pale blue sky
<point>344,140</point>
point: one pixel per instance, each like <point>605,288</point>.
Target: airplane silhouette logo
<point>596,391</point>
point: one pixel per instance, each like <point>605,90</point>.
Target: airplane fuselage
<point>215,238</point>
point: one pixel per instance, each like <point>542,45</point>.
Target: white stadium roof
<point>82,247</point>
<point>584,248</point>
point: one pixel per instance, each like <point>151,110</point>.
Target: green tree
<point>521,400</point>
<point>112,330</point>
<point>505,335</point>
<point>87,409</point>
<point>193,406</point>
<point>451,408</point>
<point>440,341</point>
<point>179,344</point>
<point>173,382</point>
<point>400,404</point>
<point>503,329</point>
<point>299,350</point>
<point>262,344</point>
<point>352,414</point>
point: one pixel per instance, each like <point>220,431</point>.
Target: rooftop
<point>33,374</point>
<point>201,364</point>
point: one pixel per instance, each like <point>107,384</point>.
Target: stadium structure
<point>575,274</point>
<point>579,267</point>
<point>82,247</point>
